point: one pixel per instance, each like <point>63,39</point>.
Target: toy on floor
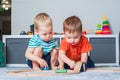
<point>45,68</point>
<point>61,71</point>
<point>76,69</point>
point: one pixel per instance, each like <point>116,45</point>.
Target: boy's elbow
<point>26,55</point>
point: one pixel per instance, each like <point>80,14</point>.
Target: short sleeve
<point>33,42</point>
<point>64,45</point>
<point>85,45</point>
<point>54,44</point>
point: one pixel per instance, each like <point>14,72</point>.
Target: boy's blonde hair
<point>72,24</point>
<point>42,18</point>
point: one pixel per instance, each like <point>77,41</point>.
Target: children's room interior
<point>100,25</point>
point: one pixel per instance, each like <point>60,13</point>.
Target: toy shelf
<point>105,49</point>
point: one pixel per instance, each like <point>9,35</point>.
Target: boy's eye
<point>75,37</point>
<point>47,34</point>
<point>44,34</point>
<point>68,37</point>
<point>50,33</point>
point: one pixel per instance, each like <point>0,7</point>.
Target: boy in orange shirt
<point>74,46</point>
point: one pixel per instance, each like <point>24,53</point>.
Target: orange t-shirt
<point>74,51</point>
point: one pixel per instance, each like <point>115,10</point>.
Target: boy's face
<point>45,32</point>
<point>72,38</point>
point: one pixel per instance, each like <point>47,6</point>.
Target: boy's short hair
<point>72,24</point>
<point>42,18</point>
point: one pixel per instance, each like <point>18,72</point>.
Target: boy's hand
<point>55,68</point>
<point>42,63</point>
<point>60,67</point>
<point>71,64</point>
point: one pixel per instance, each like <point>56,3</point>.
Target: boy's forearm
<point>31,57</point>
<point>84,57</point>
<point>64,58</point>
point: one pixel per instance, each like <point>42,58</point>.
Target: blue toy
<point>45,68</point>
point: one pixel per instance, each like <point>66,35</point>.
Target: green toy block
<point>61,71</point>
<point>105,22</point>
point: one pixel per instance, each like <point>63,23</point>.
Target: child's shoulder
<point>83,37</point>
<point>35,38</point>
<point>64,41</point>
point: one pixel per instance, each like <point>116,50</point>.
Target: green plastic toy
<point>61,71</point>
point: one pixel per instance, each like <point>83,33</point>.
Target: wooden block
<point>77,67</point>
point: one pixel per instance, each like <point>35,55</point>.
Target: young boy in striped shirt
<point>42,49</point>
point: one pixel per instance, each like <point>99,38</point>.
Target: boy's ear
<point>63,33</point>
<point>35,31</point>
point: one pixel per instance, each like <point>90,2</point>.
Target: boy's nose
<point>72,40</point>
<point>48,35</point>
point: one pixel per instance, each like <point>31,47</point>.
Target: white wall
<point>91,12</point>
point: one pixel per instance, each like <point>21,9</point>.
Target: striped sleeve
<point>33,42</point>
<point>54,43</point>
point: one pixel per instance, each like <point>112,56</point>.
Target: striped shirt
<point>47,47</point>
